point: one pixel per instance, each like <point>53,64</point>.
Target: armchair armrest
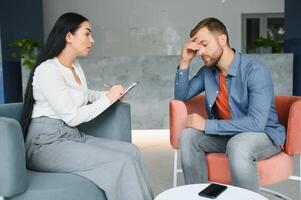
<point>293,135</point>
<point>114,123</point>
<point>178,112</point>
<point>177,121</point>
<point>13,173</point>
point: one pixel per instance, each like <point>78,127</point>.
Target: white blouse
<point>58,95</point>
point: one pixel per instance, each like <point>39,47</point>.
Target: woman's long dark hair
<point>68,22</point>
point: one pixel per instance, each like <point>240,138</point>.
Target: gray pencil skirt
<point>115,167</point>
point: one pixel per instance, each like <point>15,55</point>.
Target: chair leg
<point>175,168</point>
<point>297,178</point>
<point>278,194</point>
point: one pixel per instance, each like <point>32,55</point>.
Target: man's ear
<point>223,40</point>
<point>68,37</point>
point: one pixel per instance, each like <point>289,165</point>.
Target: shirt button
<point>181,73</point>
<point>210,105</point>
<point>216,92</point>
<point>176,83</point>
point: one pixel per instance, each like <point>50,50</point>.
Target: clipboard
<point>131,86</point>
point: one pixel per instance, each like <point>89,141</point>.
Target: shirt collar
<point>75,64</point>
<point>234,64</point>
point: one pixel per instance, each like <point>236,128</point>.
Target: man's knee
<point>188,137</point>
<point>238,146</point>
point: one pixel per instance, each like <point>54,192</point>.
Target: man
<point>242,120</point>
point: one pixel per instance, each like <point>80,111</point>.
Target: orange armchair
<point>289,114</point>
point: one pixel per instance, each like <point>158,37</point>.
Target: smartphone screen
<point>212,191</point>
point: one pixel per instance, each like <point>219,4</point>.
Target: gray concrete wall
<point>149,100</point>
<point>150,27</point>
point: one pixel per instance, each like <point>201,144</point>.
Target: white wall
<point>153,27</point>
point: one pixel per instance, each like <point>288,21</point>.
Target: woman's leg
<point>113,171</point>
<point>124,147</point>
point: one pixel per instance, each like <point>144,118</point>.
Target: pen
<point>107,85</point>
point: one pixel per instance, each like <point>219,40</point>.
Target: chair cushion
<point>60,186</point>
<point>271,170</point>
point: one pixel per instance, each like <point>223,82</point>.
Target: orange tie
<point>222,104</point>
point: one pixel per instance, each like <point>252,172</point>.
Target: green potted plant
<point>266,45</point>
<point>27,50</point>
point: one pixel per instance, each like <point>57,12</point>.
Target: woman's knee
<point>132,151</point>
<point>135,151</point>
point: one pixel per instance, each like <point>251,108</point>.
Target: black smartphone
<point>213,190</point>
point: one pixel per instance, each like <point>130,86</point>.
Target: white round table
<point>191,192</point>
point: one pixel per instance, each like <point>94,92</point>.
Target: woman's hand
<point>115,93</point>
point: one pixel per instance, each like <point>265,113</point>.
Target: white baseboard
<point>149,132</point>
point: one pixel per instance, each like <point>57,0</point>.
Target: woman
<point>56,102</point>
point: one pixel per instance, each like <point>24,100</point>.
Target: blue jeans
<point>243,150</point>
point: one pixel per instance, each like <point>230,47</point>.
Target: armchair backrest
<point>289,115</point>
<point>288,109</point>
<point>197,105</point>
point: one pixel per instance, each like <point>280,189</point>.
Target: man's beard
<point>213,60</point>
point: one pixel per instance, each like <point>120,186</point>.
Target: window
<point>263,33</point>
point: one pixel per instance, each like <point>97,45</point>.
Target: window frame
<point>263,26</point>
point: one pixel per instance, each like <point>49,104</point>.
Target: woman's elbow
<point>71,122</point>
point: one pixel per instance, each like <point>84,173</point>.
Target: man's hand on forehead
<point>189,51</point>
<point>196,40</point>
<point>191,44</point>
<point>193,39</point>
<point>194,46</point>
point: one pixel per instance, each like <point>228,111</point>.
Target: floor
<point>158,157</point>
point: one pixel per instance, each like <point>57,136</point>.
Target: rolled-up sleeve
<point>185,88</point>
<point>94,95</point>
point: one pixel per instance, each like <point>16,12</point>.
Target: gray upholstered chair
<point>17,182</point>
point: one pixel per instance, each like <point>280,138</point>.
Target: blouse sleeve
<point>94,95</point>
<point>51,84</point>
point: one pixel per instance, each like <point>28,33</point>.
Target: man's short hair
<point>213,25</point>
